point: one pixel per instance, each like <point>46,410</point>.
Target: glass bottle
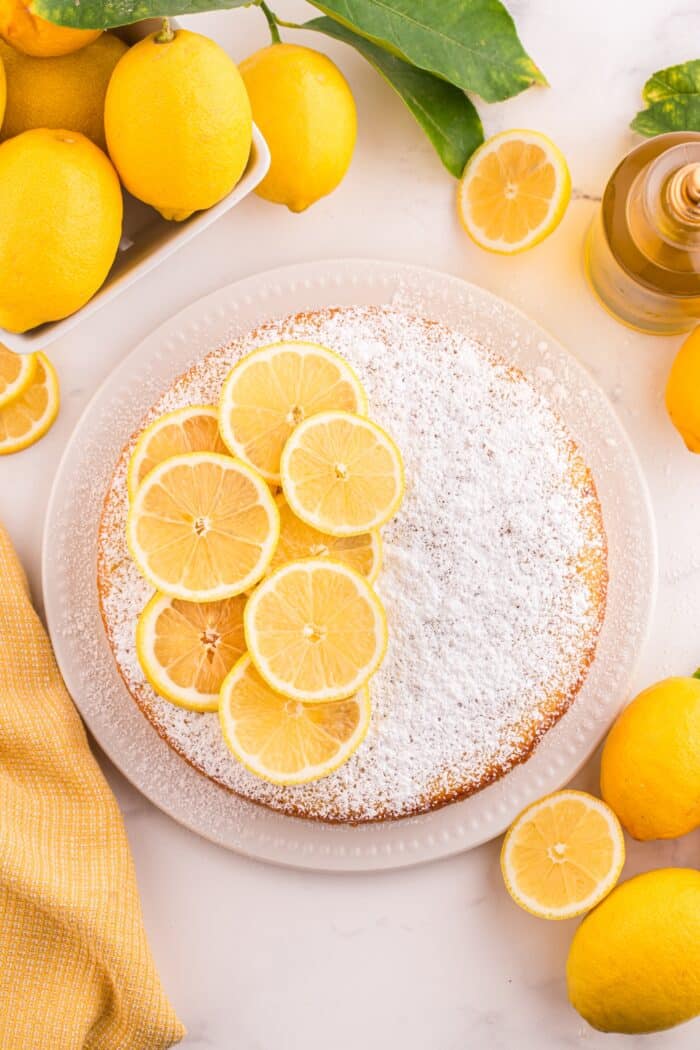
<point>643,248</point>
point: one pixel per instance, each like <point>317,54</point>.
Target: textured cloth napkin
<point>75,968</point>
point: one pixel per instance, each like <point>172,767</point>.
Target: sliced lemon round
<point>342,474</point>
<point>16,373</point>
<point>28,416</point>
<point>562,855</point>
<point>186,649</point>
<point>299,540</point>
<point>202,527</point>
<point>285,741</point>
<point>514,191</point>
<point>273,389</point>
<point>194,428</point>
<point>315,630</point>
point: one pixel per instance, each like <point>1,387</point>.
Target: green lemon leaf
<point>106,14</point>
<point>673,97</point>
<point>444,112</point>
<point>472,44</point>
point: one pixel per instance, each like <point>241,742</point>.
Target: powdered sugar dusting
<point>491,625</point>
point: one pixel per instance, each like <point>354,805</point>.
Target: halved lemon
<point>202,527</point>
<point>273,389</point>
<point>16,373</point>
<point>342,474</point>
<point>286,741</point>
<point>186,649</point>
<point>299,540</point>
<point>514,191</point>
<point>194,428</point>
<point>562,855</point>
<point>28,416</point>
<point>315,630</point>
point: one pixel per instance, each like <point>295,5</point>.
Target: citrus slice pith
<point>273,389</point>
<point>16,373</point>
<point>194,428</point>
<point>27,417</point>
<point>186,649</point>
<point>202,527</point>
<point>285,741</point>
<point>315,630</point>
<point>299,540</point>
<point>342,474</point>
<point>562,855</point>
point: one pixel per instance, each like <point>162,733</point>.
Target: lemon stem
<point>271,21</point>
<point>166,33</point>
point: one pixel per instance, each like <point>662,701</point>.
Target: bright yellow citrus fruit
<point>342,474</point>
<point>514,191</point>
<point>682,391</point>
<point>273,389</point>
<point>299,540</point>
<point>562,855</point>
<point>650,767</point>
<point>64,92</point>
<point>60,225</point>
<point>315,630</point>
<point>305,109</point>
<point>285,741</point>
<point>178,123</point>
<point>28,416</point>
<point>194,428</point>
<point>202,527</point>
<point>634,962</point>
<point>33,35</point>
<point>3,90</point>
<point>16,373</point>
<point>186,649</point>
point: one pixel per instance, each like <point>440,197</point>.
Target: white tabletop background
<point>436,957</point>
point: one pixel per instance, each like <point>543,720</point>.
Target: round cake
<point>494,576</point>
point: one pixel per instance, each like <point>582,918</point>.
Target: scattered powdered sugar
<point>491,625</point>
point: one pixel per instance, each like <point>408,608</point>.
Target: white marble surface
<point>434,958</point>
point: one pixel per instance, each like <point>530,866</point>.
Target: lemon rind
<point>25,378</point>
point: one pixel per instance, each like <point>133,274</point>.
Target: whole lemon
<point>683,391</point>
<point>634,962</point>
<point>60,225</point>
<point>305,109</point>
<point>178,122</point>
<point>34,35</point>
<point>65,92</point>
<point>650,767</point>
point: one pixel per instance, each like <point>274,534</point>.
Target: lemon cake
<point>494,572</point>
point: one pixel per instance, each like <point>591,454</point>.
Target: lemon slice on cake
<point>194,428</point>
<point>299,540</point>
<point>202,527</point>
<point>285,741</point>
<point>273,389</point>
<point>315,630</point>
<point>16,373</point>
<point>27,417</point>
<point>562,855</point>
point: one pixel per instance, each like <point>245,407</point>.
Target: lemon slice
<point>273,389</point>
<point>29,415</point>
<point>286,741</point>
<point>186,649</point>
<point>16,373</point>
<point>299,540</point>
<point>315,630</point>
<point>202,527</point>
<point>194,428</point>
<point>514,191</point>
<point>342,474</point>
<point>562,855</point>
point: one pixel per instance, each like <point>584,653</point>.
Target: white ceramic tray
<point>69,566</point>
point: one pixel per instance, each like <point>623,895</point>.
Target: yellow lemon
<point>634,963</point>
<point>178,122</point>
<point>650,768</point>
<point>64,92</point>
<point>16,373</point>
<point>34,35</point>
<point>305,109</point>
<point>60,225</point>
<point>683,391</point>
<point>30,415</point>
<point>299,541</point>
<point>194,428</point>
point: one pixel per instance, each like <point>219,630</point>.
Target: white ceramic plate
<point>69,566</point>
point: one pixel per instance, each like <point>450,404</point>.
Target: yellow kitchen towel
<point>75,967</point>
